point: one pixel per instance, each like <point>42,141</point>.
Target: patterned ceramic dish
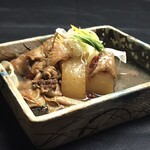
<point>80,120</point>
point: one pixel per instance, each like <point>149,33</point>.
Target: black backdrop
<point>29,18</point>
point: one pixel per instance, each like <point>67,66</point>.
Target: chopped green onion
<point>88,37</point>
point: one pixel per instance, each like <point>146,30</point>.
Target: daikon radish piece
<point>73,83</point>
<point>102,83</point>
<point>101,74</point>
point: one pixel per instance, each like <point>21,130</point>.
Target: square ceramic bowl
<point>57,128</point>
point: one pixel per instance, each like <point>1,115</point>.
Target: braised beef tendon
<point>38,81</point>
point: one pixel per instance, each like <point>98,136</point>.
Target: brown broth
<point>129,75</point>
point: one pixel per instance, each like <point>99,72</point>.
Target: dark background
<point>29,18</point>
